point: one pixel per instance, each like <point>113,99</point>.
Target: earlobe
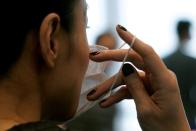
<point>49,45</point>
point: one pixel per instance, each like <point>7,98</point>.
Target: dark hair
<point>18,17</point>
<point>183,27</point>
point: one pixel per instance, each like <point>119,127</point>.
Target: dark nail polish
<point>122,27</point>
<point>127,69</point>
<point>103,101</point>
<point>91,93</point>
<point>95,53</point>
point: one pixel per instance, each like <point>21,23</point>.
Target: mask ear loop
<point>124,60</point>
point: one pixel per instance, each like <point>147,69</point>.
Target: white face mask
<point>94,76</point>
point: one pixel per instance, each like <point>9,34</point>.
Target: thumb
<point>135,86</point>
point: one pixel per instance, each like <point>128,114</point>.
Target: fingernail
<point>91,93</point>
<point>127,69</point>
<point>122,27</point>
<point>95,53</point>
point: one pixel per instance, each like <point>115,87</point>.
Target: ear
<point>49,44</point>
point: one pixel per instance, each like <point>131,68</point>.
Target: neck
<point>19,101</point>
<point>182,44</point>
<point>18,107</point>
<point>19,94</point>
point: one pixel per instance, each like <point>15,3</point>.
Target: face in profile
<point>62,83</point>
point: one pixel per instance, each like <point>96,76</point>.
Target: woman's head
<point>44,44</point>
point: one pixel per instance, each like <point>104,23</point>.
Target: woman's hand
<point>154,89</point>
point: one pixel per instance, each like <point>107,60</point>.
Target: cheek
<point>82,60</point>
<point>79,66</point>
<point>82,53</point>
<point>76,75</point>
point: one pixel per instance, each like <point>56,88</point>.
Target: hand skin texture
<point>154,88</point>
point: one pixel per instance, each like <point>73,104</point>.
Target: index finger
<point>152,61</point>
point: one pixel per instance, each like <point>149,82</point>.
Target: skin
<point>154,88</point>
<point>45,83</point>
<point>46,80</point>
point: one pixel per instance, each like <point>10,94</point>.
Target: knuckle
<point>172,81</point>
<point>133,81</point>
<point>145,113</point>
<point>149,49</point>
<point>172,74</point>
